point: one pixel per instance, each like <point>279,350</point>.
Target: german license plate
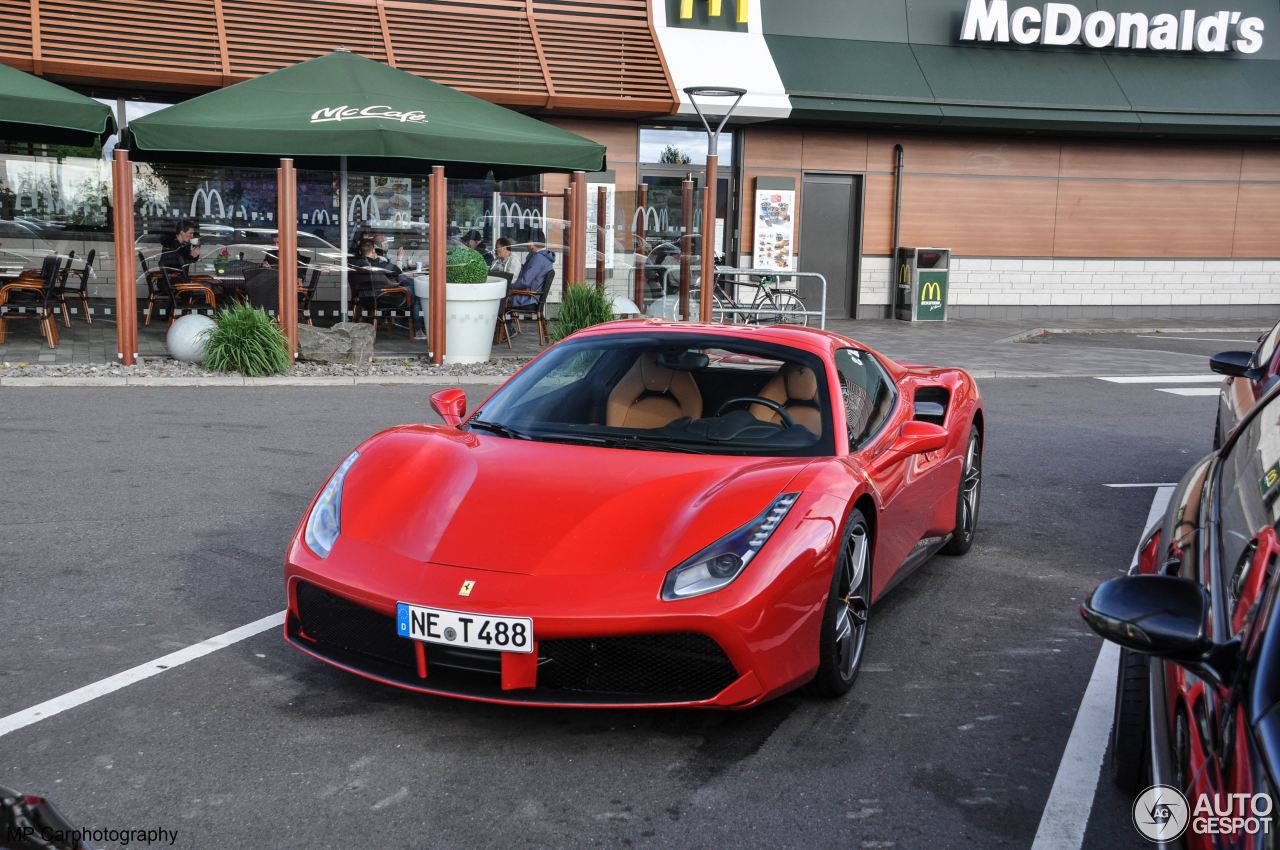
<point>458,628</point>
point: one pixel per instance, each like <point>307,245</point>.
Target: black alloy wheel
<point>844,621</point>
<point>967,498</point>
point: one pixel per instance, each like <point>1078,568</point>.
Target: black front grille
<point>673,666</point>
<point>343,628</point>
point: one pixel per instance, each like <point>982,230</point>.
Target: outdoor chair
<point>262,287</point>
<point>58,296</point>
<point>178,292</point>
<point>307,292</point>
<point>532,312</point>
<point>80,291</point>
<point>376,291</point>
<point>30,299</point>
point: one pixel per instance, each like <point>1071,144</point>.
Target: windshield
<point>669,392</point>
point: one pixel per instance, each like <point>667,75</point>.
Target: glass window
<point>680,146</point>
<point>1262,357</point>
<point>1249,487</point>
<point>669,392</point>
<point>867,394</point>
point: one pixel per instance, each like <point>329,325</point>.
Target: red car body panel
<point>580,538</point>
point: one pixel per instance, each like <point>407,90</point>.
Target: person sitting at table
<point>179,252</point>
<point>475,241</point>
<point>271,259</point>
<point>368,259</point>
<point>504,263</point>
<point>537,263</point>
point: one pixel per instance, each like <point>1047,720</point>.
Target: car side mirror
<point>918,437</point>
<point>1164,616</point>
<point>450,404</point>
<point>1237,364</point>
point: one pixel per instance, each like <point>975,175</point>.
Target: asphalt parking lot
<point>136,522</point>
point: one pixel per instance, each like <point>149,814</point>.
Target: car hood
<point>481,501</point>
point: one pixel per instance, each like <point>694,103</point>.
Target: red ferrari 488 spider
<point>648,514</point>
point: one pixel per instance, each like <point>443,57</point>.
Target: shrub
<point>582,307</point>
<point>465,265</point>
<point>248,341</point>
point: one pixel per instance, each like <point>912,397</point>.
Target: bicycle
<point>770,306</point>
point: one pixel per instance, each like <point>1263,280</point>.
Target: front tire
<point>844,621</point>
<point>968,497</point>
<point>1129,737</point>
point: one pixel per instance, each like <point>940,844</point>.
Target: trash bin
<point>921,291</point>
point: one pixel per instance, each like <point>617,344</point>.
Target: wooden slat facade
<point>597,56</point>
<point>1009,197</point>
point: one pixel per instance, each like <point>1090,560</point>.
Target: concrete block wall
<point>1016,287</point>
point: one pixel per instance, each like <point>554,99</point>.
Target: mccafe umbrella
<point>379,117</point>
<point>35,110</point>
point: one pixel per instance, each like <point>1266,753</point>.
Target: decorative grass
<point>248,341</point>
<point>465,265</point>
<point>582,307</point>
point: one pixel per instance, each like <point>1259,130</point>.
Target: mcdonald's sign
<point>931,296</point>
<point>707,13</point>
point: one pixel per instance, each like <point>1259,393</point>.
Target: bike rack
<point>821,313</point>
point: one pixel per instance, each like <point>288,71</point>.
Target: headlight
<point>325,521</point>
<point>723,561</point>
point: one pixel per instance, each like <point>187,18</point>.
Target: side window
<point>866,392</point>
<point>1249,494</point>
<point>1262,356</point>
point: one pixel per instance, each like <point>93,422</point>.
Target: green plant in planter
<point>582,307</point>
<point>465,265</point>
<point>248,341</point>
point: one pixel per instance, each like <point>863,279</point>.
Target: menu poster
<point>392,197</point>
<point>774,231</point>
<point>593,219</point>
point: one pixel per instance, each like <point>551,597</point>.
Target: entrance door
<point>830,233</point>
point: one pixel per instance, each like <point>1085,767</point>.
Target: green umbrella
<point>37,110</point>
<point>380,118</point>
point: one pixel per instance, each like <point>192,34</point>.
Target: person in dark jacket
<point>475,241</point>
<point>179,250</point>
<point>368,259</point>
<point>537,263</point>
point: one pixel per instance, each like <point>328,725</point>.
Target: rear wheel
<point>844,621</point>
<point>1129,739</point>
<point>968,498</point>
<point>778,307</point>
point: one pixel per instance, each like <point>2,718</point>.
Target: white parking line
<point>123,679</point>
<point>1188,390</point>
<point>1201,378</point>
<point>1066,812</point>
<point>1126,486</point>
<point>1251,341</point>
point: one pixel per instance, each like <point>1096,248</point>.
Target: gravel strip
<point>156,367</point>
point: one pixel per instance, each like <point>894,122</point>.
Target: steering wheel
<point>755,399</point>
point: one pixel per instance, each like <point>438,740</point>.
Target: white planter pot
<point>471,315</point>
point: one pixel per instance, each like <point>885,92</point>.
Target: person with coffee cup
<point>182,248</point>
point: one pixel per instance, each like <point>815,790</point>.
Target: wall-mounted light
<point>715,8</point>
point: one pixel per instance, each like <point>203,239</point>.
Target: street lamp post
<point>707,277</point>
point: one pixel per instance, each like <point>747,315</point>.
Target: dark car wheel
<point>1129,740</point>
<point>967,498</point>
<point>844,621</point>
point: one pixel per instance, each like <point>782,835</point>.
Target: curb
<point>240,381</point>
<point>1035,332</point>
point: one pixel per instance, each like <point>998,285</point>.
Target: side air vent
<point>931,404</point>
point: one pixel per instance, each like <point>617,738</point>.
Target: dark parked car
<point>1198,696</point>
<point>1249,375</point>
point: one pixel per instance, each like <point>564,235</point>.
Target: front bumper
<point>730,651</point>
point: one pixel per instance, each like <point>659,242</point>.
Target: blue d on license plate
<point>461,628</point>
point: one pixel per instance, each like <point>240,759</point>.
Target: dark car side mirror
<point>918,437</point>
<point>1237,364</point>
<point>450,404</point>
<point>1164,616</point>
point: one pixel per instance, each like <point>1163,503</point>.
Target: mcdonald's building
<point>1114,158</point>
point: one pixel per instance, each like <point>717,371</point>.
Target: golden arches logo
<point>904,273</point>
<point>931,291</point>
<point>714,9</point>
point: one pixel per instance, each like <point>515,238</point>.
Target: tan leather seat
<point>650,396</point>
<point>795,387</point>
